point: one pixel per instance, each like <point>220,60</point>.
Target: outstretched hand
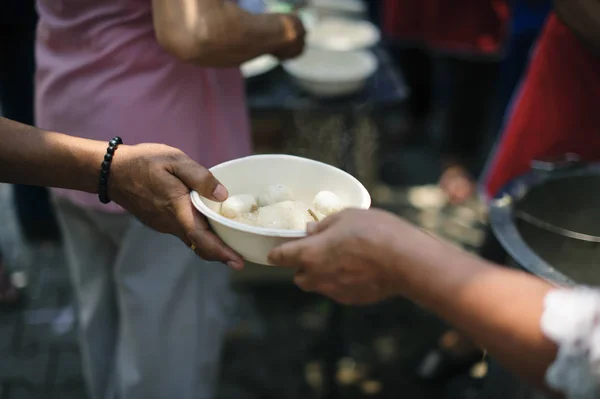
<point>153,182</point>
<point>342,257</point>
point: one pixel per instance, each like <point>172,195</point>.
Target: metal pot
<point>548,221</point>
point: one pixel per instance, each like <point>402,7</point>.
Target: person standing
<point>151,314</point>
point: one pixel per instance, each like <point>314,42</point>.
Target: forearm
<point>35,157</point>
<point>217,33</point>
<point>498,307</point>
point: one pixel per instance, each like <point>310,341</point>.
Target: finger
<point>198,178</point>
<point>302,281</point>
<point>318,227</point>
<point>289,254</point>
<point>194,230</point>
<point>210,247</point>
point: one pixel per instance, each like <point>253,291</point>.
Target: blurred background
<point>414,116</point>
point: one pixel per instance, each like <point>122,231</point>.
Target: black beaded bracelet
<point>105,169</point>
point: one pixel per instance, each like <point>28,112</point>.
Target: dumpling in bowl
<point>275,193</point>
<point>237,205</point>
<point>328,203</point>
<point>286,215</point>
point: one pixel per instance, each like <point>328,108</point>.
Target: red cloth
<point>479,26</point>
<point>557,110</point>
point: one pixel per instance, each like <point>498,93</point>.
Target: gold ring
<point>193,247</point>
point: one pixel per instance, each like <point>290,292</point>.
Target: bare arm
<point>218,33</point>
<point>498,307</point>
<point>152,181</point>
<point>359,257</point>
<point>35,157</point>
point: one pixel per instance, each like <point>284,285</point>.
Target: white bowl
<point>332,74</point>
<point>343,34</point>
<point>252,174</point>
<point>259,66</point>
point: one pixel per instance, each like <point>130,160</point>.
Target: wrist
<point>426,269</point>
<point>84,158</point>
<point>282,30</point>
<point>386,247</point>
<point>118,172</point>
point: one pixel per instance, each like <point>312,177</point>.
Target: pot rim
<point>502,220</point>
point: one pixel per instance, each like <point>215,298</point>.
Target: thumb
<point>318,227</point>
<point>198,178</point>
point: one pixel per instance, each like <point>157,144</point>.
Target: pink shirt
<point>101,74</point>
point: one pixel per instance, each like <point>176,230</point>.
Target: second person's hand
<point>295,35</point>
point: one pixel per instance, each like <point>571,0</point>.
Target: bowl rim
<point>259,66</point>
<point>372,64</point>
<point>314,39</point>
<point>263,231</point>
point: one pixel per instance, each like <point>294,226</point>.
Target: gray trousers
<point>151,314</point>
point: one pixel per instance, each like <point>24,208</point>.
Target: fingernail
<point>220,193</point>
<point>235,265</point>
<point>311,227</point>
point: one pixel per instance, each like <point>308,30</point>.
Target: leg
<point>464,138</point>
<point>417,66</point>
<point>173,310</point>
<point>90,258</point>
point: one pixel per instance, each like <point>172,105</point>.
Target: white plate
<point>342,34</point>
<point>330,73</point>
<point>259,66</point>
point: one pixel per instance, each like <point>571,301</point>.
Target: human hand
<point>153,182</point>
<point>294,37</point>
<point>344,257</point>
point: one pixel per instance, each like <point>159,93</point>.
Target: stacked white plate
<point>343,34</point>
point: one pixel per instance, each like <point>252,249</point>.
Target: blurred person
<point>469,134</point>
<point>18,21</point>
<point>345,256</point>
<point>151,314</point>
<point>554,111</point>
<point>470,37</point>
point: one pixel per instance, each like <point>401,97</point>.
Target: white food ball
<point>274,194</point>
<point>327,203</point>
<point>287,215</point>
<point>237,205</point>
